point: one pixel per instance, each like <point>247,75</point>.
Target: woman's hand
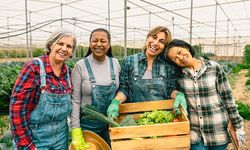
<point>113,109</point>
<point>180,100</point>
<point>78,140</point>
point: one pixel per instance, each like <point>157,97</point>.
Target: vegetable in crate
<point>92,113</point>
<point>128,121</point>
<point>155,117</point>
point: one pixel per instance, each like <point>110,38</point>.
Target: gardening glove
<point>241,136</point>
<point>113,109</point>
<point>78,140</point>
<point>180,100</point>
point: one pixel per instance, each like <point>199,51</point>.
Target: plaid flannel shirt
<point>26,94</point>
<point>210,104</point>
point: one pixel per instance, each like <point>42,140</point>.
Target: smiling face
<point>155,44</point>
<point>180,56</point>
<point>99,44</point>
<point>62,49</point>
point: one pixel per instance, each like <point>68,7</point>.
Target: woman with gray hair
<point>41,97</point>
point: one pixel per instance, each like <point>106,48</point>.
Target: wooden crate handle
<point>146,106</point>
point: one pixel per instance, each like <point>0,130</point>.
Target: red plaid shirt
<point>26,94</point>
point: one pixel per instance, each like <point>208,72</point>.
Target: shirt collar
<point>159,57</point>
<point>205,64</point>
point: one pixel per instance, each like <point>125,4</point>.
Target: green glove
<point>78,140</point>
<point>113,109</point>
<point>180,100</point>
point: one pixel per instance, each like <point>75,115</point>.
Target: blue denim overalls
<point>101,99</point>
<point>147,89</point>
<point>48,121</point>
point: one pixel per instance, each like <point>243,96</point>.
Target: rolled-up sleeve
<point>171,79</point>
<point>124,77</point>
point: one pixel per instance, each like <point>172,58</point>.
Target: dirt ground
<point>243,95</point>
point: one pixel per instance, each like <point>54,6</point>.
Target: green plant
<point>80,51</point>
<point>248,74</point>
<point>38,52</point>
<point>247,54</point>
<point>155,117</point>
<point>244,110</point>
<point>232,78</point>
<point>8,75</point>
<point>236,69</point>
<point>4,124</point>
<point>229,67</point>
<point>7,139</point>
<point>248,82</point>
<point>197,50</point>
<point>72,61</point>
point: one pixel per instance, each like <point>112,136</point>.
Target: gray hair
<point>56,36</point>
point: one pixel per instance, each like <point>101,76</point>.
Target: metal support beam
<point>31,50</point>
<point>109,16</point>
<point>26,23</point>
<point>191,23</point>
<point>61,14</point>
<point>173,27</point>
<point>125,28</point>
<point>215,28</point>
<point>149,20</point>
<point>8,47</point>
<point>227,35</point>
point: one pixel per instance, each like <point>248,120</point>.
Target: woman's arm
<point>123,89</point>
<point>76,96</point>
<point>21,103</point>
<point>224,89</point>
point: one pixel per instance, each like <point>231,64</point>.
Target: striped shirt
<point>127,73</point>
<point>210,104</point>
<point>26,94</point>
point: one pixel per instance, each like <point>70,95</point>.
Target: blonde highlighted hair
<point>158,29</point>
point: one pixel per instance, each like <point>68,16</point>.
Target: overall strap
<point>91,75</point>
<point>136,66</point>
<point>42,72</point>
<point>68,76</point>
<point>162,70</point>
<point>112,72</point>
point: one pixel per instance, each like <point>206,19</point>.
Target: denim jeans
<point>201,146</point>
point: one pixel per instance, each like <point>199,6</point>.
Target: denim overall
<point>147,89</point>
<point>48,121</point>
<point>101,99</point>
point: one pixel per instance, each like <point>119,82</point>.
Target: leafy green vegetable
<point>93,114</point>
<point>128,121</point>
<point>155,117</point>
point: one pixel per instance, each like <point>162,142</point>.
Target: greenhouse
<point>217,30</point>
